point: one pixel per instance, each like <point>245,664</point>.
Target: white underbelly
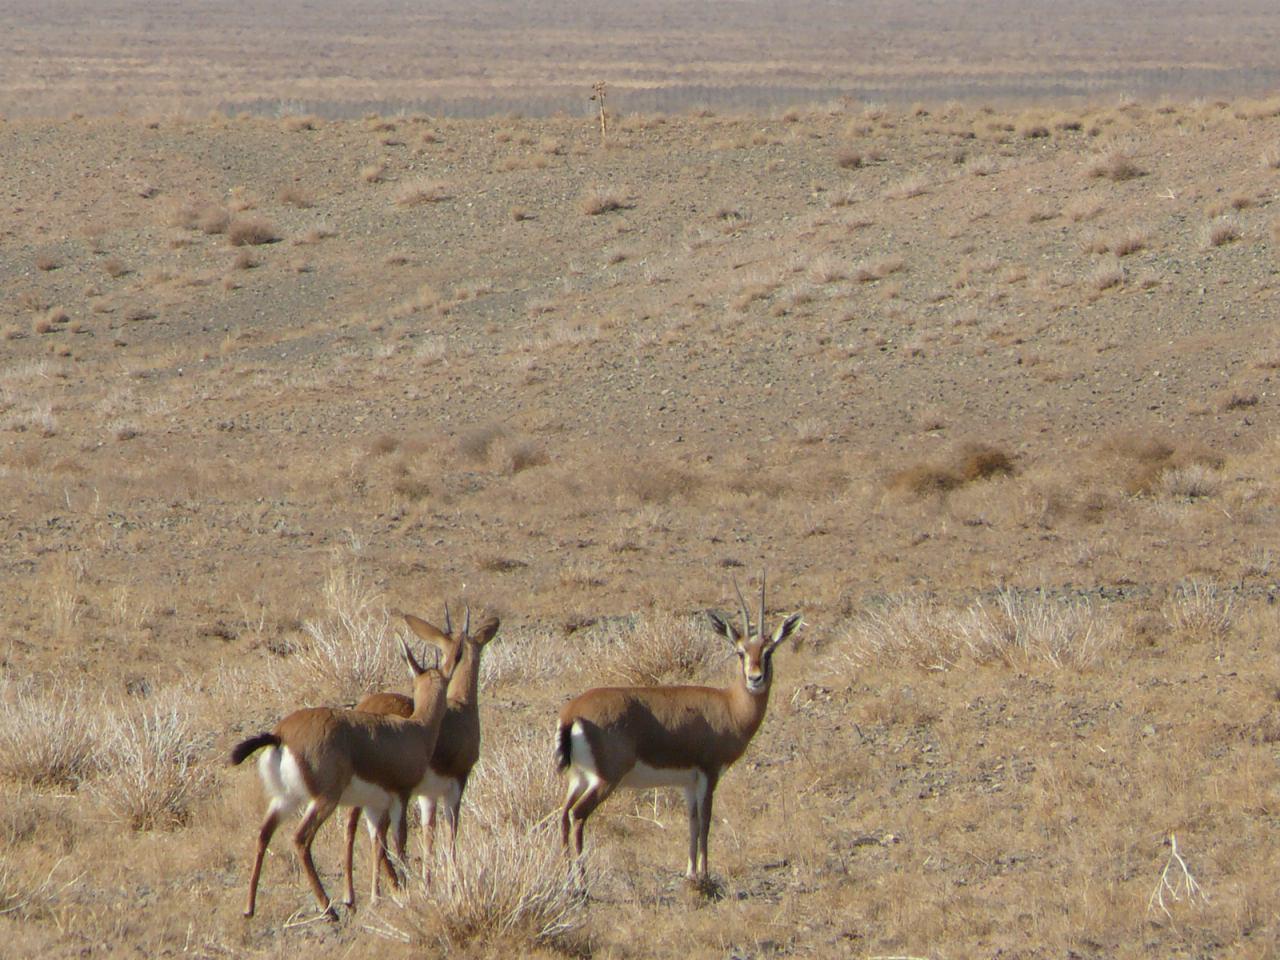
<point>644,777</point>
<point>362,793</point>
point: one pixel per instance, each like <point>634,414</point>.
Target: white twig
<point>1175,887</point>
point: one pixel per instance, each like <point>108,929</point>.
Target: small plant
<point>47,736</point>
<point>1116,165</point>
<point>913,186</point>
<point>596,201</point>
<point>417,192</point>
<point>349,650</point>
<point>153,771</point>
<point>1220,231</point>
<point>251,231</point>
<point>848,158</point>
<point>656,648</point>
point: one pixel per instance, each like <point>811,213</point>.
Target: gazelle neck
<point>748,708</point>
<point>464,685</point>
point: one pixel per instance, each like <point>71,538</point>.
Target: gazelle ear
<point>786,628</point>
<point>415,668</point>
<point>427,631</point>
<point>485,632</point>
<point>723,627</point>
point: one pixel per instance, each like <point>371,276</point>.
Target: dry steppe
<point>990,393</point>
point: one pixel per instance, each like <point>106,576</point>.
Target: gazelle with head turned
<point>458,746</point>
<point>319,759</point>
<point>676,736</point>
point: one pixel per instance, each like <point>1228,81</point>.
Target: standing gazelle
<point>458,747</point>
<point>321,758</point>
<point>640,737</point>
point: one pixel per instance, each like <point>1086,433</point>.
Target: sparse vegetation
<point>251,231</point>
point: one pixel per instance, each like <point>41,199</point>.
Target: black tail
<point>246,748</point>
<point>563,747</point>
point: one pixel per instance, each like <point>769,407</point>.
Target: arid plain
<point>989,389</point>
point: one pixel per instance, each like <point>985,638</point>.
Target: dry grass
<point>915,185</point>
<point>1014,628</point>
<point>657,648</point>
<point>156,765</point>
<point>1219,232</point>
<point>598,200</point>
<point>1116,165</point>
<point>968,463</point>
<point>251,231</point>
<point>348,649</point>
<point>49,736</point>
<point>417,192</point>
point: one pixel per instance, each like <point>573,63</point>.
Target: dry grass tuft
<point>913,186</point>
<point>1016,628</point>
<point>348,650</point>
<point>1200,612</point>
<point>970,462</point>
<point>251,231</point>
<point>417,192</point>
<point>1220,231</point>
<point>596,201</point>
<point>48,737</point>
<point>295,196</point>
<point>848,159</point>
<point>153,774</point>
<point>656,648</point>
<point>1139,462</point>
<point>1116,165</point>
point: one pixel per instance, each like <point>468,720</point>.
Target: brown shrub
<point>969,462</point>
<point>848,158</point>
<point>211,219</point>
<point>597,201</point>
<point>1139,462</point>
<point>1116,165</point>
<point>251,232</point>
<point>294,196</point>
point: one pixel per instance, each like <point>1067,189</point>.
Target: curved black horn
<point>448,624</point>
<point>466,623</point>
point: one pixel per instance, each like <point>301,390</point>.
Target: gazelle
<point>680,736</point>
<point>457,748</point>
<point>321,758</point>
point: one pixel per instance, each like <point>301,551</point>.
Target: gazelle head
<point>754,648</point>
<point>452,643</point>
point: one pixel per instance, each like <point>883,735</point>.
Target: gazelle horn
<point>760,624</point>
<point>742,605</point>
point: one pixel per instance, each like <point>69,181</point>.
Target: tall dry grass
<point>1011,627</point>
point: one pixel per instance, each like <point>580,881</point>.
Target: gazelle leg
<point>704,827</point>
<point>452,811</point>
<point>428,810</point>
<point>269,825</point>
<point>353,824</point>
<point>318,811</point>
<point>692,799</point>
<point>576,788</point>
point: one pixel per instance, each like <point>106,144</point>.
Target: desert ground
<point>987,390</point>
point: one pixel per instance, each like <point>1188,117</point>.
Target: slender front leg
<point>264,838</point>
<point>704,827</point>
<point>692,796</point>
